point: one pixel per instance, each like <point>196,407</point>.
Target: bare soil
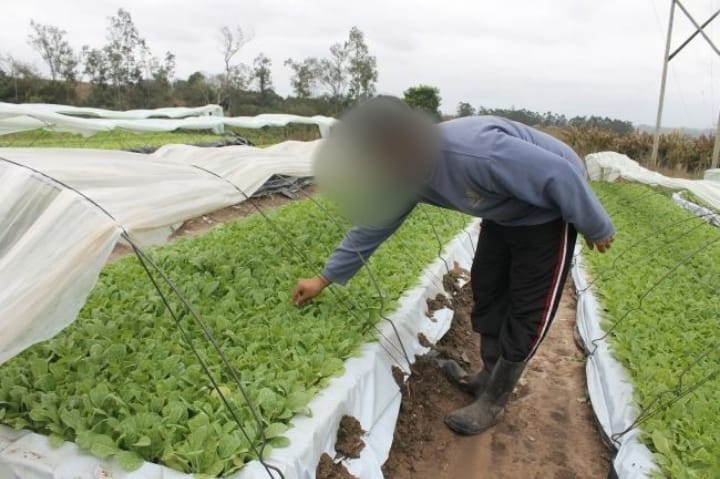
<point>548,430</point>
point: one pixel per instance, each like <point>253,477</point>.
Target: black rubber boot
<point>488,409</point>
<point>472,383</point>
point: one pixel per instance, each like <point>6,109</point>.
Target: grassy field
<point>123,140</point>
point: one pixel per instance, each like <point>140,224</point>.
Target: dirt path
<point>548,431</point>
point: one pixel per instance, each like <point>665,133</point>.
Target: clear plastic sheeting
<point>366,391</point>
<point>53,245</point>
<point>15,118</point>
<point>610,166</point>
<point>150,194</point>
<point>82,111</point>
<point>53,241</point>
<point>609,387</point>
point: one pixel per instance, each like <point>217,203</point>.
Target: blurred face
<point>375,171</point>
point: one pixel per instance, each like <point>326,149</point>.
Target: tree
<point>155,87</point>
<point>362,67</point>
<point>124,51</point>
<point>124,73</point>
<point>465,109</point>
<point>305,76</point>
<point>348,75</point>
<point>333,74</point>
<point>261,73</point>
<point>194,91</point>
<point>20,83</point>
<point>231,41</point>
<point>424,97</point>
<point>50,42</point>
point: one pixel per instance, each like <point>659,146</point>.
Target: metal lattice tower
<point>699,30</point>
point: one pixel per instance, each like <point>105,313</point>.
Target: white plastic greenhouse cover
<point>610,166</point>
<point>53,243</point>
<point>52,247</point>
<point>30,116</point>
<point>81,111</point>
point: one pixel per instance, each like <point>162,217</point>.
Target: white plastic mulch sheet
<point>366,391</point>
<point>610,166</point>
<point>609,388</point>
<point>148,194</point>
<point>29,116</point>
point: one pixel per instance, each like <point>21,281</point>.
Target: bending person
<point>529,188</point>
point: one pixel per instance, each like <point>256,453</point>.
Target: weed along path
<point>548,431</point>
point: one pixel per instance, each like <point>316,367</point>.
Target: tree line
<point>125,73</point>
<point>550,119</point>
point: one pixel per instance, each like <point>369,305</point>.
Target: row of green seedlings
<point>224,376</point>
<point>658,290</point>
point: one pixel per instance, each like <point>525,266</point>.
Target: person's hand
<point>307,288</point>
<point>601,245</point>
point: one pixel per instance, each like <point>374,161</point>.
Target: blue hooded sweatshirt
<point>495,169</point>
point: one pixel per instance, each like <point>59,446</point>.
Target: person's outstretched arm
<point>353,251</point>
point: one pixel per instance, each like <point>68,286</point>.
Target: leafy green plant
<point>661,327</point>
<point>121,382</point>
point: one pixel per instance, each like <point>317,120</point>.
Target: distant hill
<point>694,132</point>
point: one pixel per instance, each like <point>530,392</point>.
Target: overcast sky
<point>577,57</point>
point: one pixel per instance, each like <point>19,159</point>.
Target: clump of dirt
<point>460,342</point>
<point>349,442</point>
<point>460,296</point>
<point>327,469</point>
<point>424,341</point>
<point>438,302</point>
<point>442,351</point>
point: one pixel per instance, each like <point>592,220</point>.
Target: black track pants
<point>517,279</point>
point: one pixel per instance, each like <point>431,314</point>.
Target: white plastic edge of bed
<point>609,387</point>
<point>366,391</point>
<point>706,214</point>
